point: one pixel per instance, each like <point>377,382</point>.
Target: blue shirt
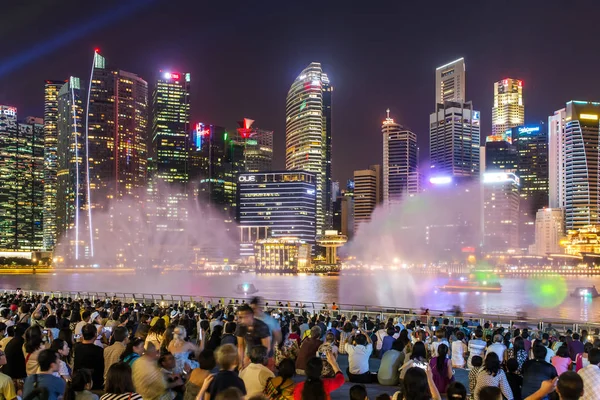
<point>55,386</point>
<point>386,345</point>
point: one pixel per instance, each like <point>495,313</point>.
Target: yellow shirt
<point>165,317</point>
<point>7,388</point>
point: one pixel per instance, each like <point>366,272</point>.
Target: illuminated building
<point>248,236</point>
<point>500,155</point>
<point>367,194</point>
<point>582,240</point>
<point>454,140</point>
<point>51,89</point>
<point>450,82</point>
<point>556,158</point>
<point>331,240</point>
<point>508,110</point>
<point>400,161</point>
<point>500,212</point>
<point>549,231</point>
<point>343,218</point>
<point>22,183</point>
<point>285,202</point>
<point>73,231</point>
<point>258,147</point>
<point>581,164</point>
<point>308,134</point>
<point>284,254</point>
<point>531,145</point>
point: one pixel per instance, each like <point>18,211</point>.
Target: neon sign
<point>528,129</point>
<point>440,180</point>
<point>10,111</point>
<point>170,75</point>
<point>246,178</point>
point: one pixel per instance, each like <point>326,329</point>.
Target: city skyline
<point>344,55</point>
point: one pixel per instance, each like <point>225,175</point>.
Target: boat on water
<point>246,288</point>
<point>471,286</point>
<point>585,292</point>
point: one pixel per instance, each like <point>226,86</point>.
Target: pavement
<point>374,389</point>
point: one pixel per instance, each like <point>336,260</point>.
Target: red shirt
<point>329,385</point>
<point>295,336</point>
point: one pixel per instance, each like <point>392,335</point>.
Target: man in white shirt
<point>476,346</point>
<point>549,352</point>
<point>358,358</point>
<point>497,347</point>
<point>380,334</point>
<point>85,319</point>
<point>256,374</point>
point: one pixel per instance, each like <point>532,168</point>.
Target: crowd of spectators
<point>107,349</point>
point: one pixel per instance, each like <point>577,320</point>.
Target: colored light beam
<point>547,292</point>
<point>76,32</point>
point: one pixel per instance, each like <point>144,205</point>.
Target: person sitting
<point>418,385</point>
<point>148,378</point>
<point>515,381</point>
<point>358,358</point>
<point>459,349</point>
<point>562,361</point>
<point>79,387</point>
<point>113,353</point>
<point>490,393</point>
<point>44,381</point>
<point>308,349</point>
<point>7,386</point>
<point>387,374</point>
<point>329,345</point>
<point>119,383</point>
<point>418,358</point>
<point>456,391</point>
<point>569,387</point>
<point>314,387</point>
<point>256,374</point>
<point>441,339</point>
<point>133,351</point>
<point>492,375</point>
<point>358,392</point>
<point>498,347</point>
<point>477,364</point>
<point>388,340</point>
<point>441,369</point>
<point>229,336</point>
<point>227,360</point>
<point>206,360</point>
<point>591,375</point>
<point>536,371</point>
<point>582,360</point>
<point>281,387</point>
<point>181,350</point>
<point>476,346</point>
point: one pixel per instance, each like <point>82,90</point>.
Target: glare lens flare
<point>548,292</point>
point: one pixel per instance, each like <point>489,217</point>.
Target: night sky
<point>243,56</point>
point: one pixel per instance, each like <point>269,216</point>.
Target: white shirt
<point>549,354</point>
<point>458,353</point>
<point>497,348</point>
<point>434,346</point>
<point>358,358</point>
<point>380,334</point>
<point>255,378</point>
<point>476,348</point>
<point>79,327</point>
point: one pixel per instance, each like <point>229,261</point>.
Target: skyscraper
<point>450,82</point>
<point>454,140</point>
<point>367,194</point>
<point>72,208</point>
<point>508,110</point>
<point>258,146</point>
<point>51,89</point>
<point>500,154</point>
<point>549,230</point>
<point>400,161</point>
<point>308,134</point>
<point>556,158</point>
<point>531,146</point>
<point>21,186</point>
<point>581,164</point>
<point>501,211</point>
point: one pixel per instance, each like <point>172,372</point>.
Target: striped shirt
<point>484,379</point>
<point>124,396</point>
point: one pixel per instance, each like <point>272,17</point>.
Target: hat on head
<point>174,313</point>
<point>95,315</point>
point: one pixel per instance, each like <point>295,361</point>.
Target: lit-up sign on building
<point>440,180</point>
<point>524,130</point>
<point>201,134</point>
<point>499,177</point>
<point>172,75</point>
<point>476,115</point>
<point>247,178</point>
<point>10,111</point>
<point>592,117</point>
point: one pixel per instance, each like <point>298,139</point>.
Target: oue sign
<point>246,178</point>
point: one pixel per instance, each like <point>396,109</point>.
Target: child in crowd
<point>490,393</point>
<point>476,363</point>
<point>227,360</point>
<point>358,392</point>
<point>514,380</point>
<point>456,391</point>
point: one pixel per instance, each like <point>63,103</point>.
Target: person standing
<point>15,359</point>
<point>250,332</point>
<point>591,376</point>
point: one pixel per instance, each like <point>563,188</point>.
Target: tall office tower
<point>308,134</point>
<point>500,154</point>
<point>117,134</point>
<point>72,208</point>
<point>400,161</point>
<point>508,110</point>
<point>258,146</point>
<point>450,82</point>
<point>556,158</point>
<point>51,89</point>
<point>454,140</point>
<point>167,192</point>
<point>367,194</point>
<point>549,230</point>
<point>22,183</point>
<point>501,211</point>
<point>582,149</point>
<point>531,145</point>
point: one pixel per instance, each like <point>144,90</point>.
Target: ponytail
<point>313,386</point>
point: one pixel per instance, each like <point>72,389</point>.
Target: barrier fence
<point>374,312</point>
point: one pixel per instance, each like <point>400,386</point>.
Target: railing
<point>375,312</point>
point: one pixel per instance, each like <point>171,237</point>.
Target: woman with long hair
<point>492,375</point>
<point>215,338</point>
<point>79,388</point>
<point>34,344</point>
<point>281,387</point>
<point>75,317</point>
<point>66,335</point>
<point>63,350</point>
<point>133,351</point>
<point>345,334</point>
<point>441,369</point>
<point>418,385</point>
<point>418,358</point>
<point>207,362</point>
<point>518,352</point>
<point>562,360</point>
<point>119,383</point>
<point>156,333</point>
<point>181,350</point>
<point>315,387</point>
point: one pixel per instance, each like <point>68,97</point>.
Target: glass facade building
<point>51,89</point>
<point>285,202</point>
<point>508,110</point>
<point>308,134</point>
<point>500,211</point>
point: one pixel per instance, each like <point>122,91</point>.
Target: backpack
<point>38,393</point>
